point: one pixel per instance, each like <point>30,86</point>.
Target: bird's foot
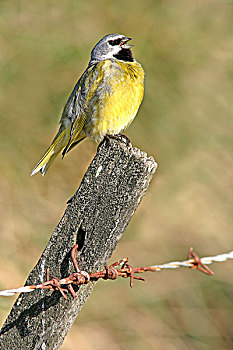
<point>106,138</point>
<point>119,137</point>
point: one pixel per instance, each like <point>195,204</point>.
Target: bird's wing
<point>79,102</point>
<point>74,110</point>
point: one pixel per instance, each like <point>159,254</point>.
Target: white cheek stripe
<point>114,51</point>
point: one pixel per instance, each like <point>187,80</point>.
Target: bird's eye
<point>115,42</point>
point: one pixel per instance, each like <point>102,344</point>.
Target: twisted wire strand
<point>189,263</point>
<point>171,265</point>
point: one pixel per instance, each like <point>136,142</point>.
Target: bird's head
<point>112,46</point>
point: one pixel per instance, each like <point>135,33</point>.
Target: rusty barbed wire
<point>120,268</point>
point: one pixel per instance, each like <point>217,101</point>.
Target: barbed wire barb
<point>120,268</point>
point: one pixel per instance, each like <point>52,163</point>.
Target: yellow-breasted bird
<point>104,101</point>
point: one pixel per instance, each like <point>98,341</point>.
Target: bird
<point>104,101</point>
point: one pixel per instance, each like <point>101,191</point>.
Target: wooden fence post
<point>96,218</point>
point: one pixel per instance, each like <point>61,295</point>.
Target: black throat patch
<point>124,55</point>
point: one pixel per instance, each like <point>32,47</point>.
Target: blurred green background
<point>185,122</point>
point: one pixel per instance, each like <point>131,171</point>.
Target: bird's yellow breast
<point>114,94</point>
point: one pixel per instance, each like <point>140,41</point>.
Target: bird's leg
<point>121,138</point>
<point>106,138</point>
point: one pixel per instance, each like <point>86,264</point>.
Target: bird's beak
<point>124,44</point>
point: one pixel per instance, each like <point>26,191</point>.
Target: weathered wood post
<point>96,218</point>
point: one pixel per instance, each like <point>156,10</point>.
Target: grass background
<point>185,122</point>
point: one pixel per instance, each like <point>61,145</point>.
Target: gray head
<point>112,46</point>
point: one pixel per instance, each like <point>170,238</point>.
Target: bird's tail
<point>59,142</point>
